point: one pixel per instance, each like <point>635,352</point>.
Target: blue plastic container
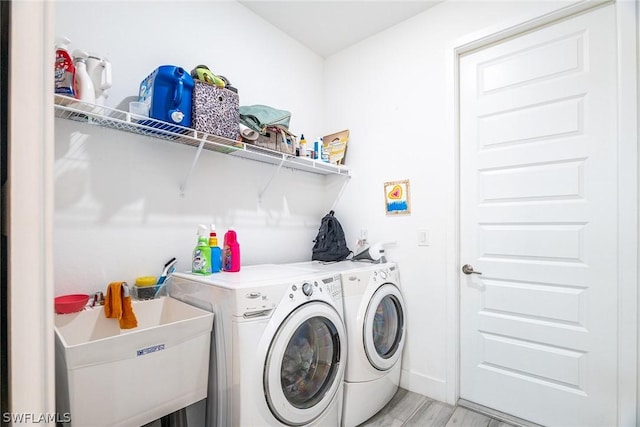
<point>168,91</point>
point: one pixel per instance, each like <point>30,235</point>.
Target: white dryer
<point>280,345</point>
<point>375,318</point>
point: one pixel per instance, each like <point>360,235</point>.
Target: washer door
<point>305,364</point>
<point>384,329</point>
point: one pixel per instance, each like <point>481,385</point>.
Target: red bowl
<point>70,303</point>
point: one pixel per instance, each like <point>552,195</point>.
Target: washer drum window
<point>310,362</point>
<point>305,364</point>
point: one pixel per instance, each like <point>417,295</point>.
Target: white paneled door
<point>538,200</point>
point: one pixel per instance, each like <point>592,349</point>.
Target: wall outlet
<point>423,237</point>
<point>364,234</point>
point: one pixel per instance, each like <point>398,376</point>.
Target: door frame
<point>30,206</point>
<point>627,44</point>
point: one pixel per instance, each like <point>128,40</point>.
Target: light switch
<point>423,237</point>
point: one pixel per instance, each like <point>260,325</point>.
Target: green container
<point>201,261</point>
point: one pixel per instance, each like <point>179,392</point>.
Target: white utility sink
<point>106,376</point>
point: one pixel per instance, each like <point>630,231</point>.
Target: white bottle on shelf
<point>99,70</point>
<point>84,86</point>
<point>324,151</point>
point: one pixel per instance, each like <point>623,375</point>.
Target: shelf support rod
<point>264,190</point>
<point>339,196</point>
<point>185,181</point>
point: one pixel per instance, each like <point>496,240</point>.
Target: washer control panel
<point>305,290</point>
<point>334,287</point>
<point>318,288</point>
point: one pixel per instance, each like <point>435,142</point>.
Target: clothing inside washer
<point>308,365</point>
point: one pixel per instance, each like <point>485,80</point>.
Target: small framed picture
<point>396,198</point>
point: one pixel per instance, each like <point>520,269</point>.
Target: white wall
<point>118,212</point>
<point>391,90</point>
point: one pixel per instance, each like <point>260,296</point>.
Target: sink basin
<point>106,376</point>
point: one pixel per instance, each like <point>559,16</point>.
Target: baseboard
<point>433,388</point>
<point>507,418</point>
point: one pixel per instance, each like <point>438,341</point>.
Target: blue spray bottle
<point>216,252</point>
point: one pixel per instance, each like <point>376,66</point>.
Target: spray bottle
<point>231,253</point>
<point>201,261</point>
<point>64,69</point>
<point>216,252</point>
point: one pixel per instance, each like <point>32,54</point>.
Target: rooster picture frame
<point>397,199</point>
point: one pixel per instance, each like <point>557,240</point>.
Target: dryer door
<point>384,327</point>
<point>305,364</point>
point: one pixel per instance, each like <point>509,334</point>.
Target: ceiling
<point>328,26</point>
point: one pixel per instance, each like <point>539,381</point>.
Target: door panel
<point>538,213</point>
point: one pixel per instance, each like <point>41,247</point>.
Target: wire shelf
<point>76,110</point>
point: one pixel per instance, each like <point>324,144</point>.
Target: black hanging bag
<point>330,243</point>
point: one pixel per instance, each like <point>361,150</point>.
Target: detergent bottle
<point>99,70</point>
<point>201,261</point>
<point>64,70</point>
<point>83,84</point>
<point>168,91</point>
<point>231,252</point>
<point>216,252</point>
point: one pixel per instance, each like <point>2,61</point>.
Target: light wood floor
<point>408,409</point>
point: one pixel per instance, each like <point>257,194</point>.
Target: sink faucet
<point>98,299</point>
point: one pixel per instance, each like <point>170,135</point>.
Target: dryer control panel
<point>356,281</point>
<point>384,275</point>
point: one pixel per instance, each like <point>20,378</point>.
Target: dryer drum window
<point>310,362</point>
<point>387,326</point>
<point>383,327</point>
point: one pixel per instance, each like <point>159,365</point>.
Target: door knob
<point>468,269</point>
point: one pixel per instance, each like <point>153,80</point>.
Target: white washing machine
<point>375,319</point>
<point>279,348</point>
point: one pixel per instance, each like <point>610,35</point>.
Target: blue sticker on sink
<point>151,349</point>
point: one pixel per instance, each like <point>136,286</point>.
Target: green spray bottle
<point>201,261</point>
